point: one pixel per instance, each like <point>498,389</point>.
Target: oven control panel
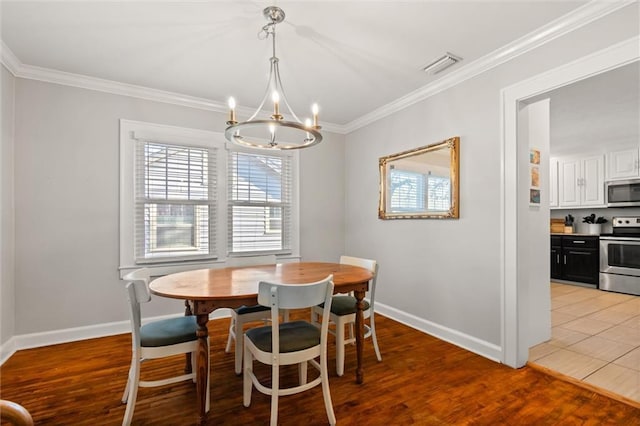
<point>625,221</point>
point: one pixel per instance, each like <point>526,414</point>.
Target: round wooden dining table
<point>206,290</point>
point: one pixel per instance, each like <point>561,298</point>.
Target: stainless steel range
<point>620,256</point>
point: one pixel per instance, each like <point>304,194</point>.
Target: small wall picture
<point>534,197</point>
<point>534,156</point>
<point>535,176</point>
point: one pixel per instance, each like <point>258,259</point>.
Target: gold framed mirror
<point>421,183</point>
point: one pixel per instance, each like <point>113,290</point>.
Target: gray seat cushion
<point>294,336</point>
<point>344,305</point>
<point>169,332</point>
<point>250,309</point>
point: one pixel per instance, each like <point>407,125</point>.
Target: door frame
<point>514,320</point>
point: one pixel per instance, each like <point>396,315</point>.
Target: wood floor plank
<point>421,381</point>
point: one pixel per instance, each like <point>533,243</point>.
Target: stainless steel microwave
<point>623,193</point>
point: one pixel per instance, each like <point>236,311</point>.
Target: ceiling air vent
<point>442,63</point>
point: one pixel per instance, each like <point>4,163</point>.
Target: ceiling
<point>351,57</point>
<point>600,111</point>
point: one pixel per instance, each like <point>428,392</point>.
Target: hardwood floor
<point>421,380</point>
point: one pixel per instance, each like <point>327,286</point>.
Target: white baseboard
<point>473,344</point>
<point>47,338</point>
<point>7,349</point>
<point>34,340</point>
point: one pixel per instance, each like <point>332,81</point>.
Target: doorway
<point>515,284</point>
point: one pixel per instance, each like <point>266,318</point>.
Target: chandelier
<point>280,130</point>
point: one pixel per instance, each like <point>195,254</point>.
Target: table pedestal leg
<point>202,366</point>
<point>187,312</point>
<point>359,295</point>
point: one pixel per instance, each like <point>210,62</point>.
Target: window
<point>438,192</point>
<point>407,191</point>
<point>188,200</point>
<point>260,189</point>
<point>175,201</point>
<point>415,192</point>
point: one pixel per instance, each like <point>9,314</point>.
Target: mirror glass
<point>421,183</point>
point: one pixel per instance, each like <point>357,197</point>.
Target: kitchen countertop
<point>576,234</point>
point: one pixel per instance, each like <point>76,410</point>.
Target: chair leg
<point>275,390</point>
<point>352,334</point>
<point>125,396</point>
<point>231,336</point>
<point>315,317</point>
<point>247,382</point>
<point>324,374</point>
<point>339,348</point>
<point>132,386</point>
<point>238,331</point>
<point>374,338</point>
<point>302,372</point>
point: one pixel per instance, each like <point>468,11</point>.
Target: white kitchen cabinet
<point>581,181</point>
<point>553,182</point>
<point>623,164</point>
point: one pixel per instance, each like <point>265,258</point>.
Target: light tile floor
<point>595,338</point>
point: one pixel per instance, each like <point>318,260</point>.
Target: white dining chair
<point>343,313</point>
<point>157,339</point>
<point>245,314</point>
<point>287,343</point>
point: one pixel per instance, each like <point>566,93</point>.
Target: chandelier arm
<point>266,94</point>
<point>284,96</point>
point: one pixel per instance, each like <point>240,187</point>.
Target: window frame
<point>130,132</point>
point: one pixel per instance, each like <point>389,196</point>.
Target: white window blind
<point>439,193</point>
<point>407,191</point>
<point>260,203</point>
<point>175,201</point>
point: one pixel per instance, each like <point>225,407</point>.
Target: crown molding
<point>572,21</point>
<point>48,75</point>
<point>9,60</point>
<point>583,15</point>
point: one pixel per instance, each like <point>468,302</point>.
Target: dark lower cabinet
<point>556,257</point>
<point>576,258</point>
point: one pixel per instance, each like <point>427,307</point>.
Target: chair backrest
<point>251,260</point>
<point>296,296</point>
<point>369,264</point>
<point>137,284</point>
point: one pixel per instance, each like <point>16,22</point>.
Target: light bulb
<point>276,107</point>
<point>232,111</point>
<point>314,109</point>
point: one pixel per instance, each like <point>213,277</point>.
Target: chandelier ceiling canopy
<point>280,128</point>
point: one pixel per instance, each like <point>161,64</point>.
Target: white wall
<point>533,252</point>
<point>7,288</point>
<point>66,202</point>
<point>444,276</point>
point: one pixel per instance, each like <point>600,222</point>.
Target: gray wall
<point>447,272</point>
<point>7,288</point>
<point>66,202</point>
